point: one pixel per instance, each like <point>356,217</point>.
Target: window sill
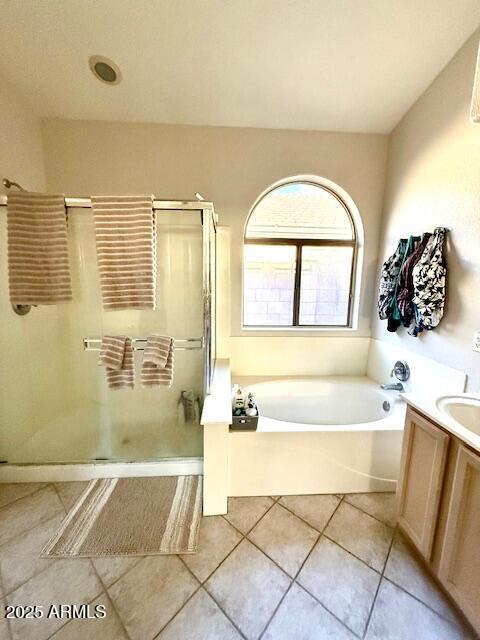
<point>298,330</point>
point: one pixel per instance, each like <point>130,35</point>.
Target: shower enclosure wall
<point>55,406</point>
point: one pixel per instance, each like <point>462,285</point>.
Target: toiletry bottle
<point>251,408</point>
<point>239,407</point>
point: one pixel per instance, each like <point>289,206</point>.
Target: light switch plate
<point>476,341</point>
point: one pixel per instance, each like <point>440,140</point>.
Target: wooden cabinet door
<point>424,456</point>
<point>459,568</point>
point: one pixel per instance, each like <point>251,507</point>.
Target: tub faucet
<point>392,386</point>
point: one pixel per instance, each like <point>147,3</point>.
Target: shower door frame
<point>89,469</point>
<point>209,221</point>
<point>209,225</point>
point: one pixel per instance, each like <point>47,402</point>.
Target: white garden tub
<point>318,435</point>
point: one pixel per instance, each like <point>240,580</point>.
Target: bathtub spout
<point>393,386</point>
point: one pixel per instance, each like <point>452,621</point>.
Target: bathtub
<point>334,434</point>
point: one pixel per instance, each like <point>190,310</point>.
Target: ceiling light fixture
<point>104,69</point>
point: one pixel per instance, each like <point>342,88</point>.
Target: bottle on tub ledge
<point>238,401</point>
<point>251,408</point>
<point>244,410</point>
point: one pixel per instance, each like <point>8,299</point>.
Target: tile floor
<point>283,568</point>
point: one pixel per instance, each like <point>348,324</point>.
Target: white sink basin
<point>463,409</point>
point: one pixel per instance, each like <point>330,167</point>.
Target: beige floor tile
<point>108,628</point>
<point>363,535</point>
<point>217,538</point>
<point>398,616</point>
<point>344,584</point>
<point>11,491</point>
<point>316,510</point>
<point>248,586</point>
<point>301,616</point>
<point>70,491</point>
<point>244,513</point>
<point>111,569</point>
<point>406,571</point>
<point>382,506</point>
<point>19,558</point>
<point>151,593</point>
<point>4,628</point>
<point>284,538</point>
<point>26,513</point>
<point>200,619</point>
<point>65,581</point>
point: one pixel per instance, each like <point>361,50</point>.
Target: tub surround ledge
<point>216,419</point>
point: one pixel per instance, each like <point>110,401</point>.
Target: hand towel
<point>190,405</point>
<point>125,241</point>
<point>405,284</point>
<point>157,365</point>
<point>429,282</point>
<point>116,355</point>
<point>38,264</point>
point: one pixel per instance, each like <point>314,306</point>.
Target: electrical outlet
<point>476,341</point>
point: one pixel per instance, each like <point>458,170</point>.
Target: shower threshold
<point>89,470</point>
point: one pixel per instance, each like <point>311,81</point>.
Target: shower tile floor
<point>277,568</point>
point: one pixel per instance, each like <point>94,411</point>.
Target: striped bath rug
<point>131,517</point>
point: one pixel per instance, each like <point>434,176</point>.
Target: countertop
<point>427,406</point>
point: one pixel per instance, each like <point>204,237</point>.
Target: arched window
<point>299,258</point>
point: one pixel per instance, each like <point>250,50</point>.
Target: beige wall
<point>230,166</point>
<point>21,160</point>
<point>434,180</point>
<point>21,152</point>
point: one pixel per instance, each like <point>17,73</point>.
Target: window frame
<point>299,243</point>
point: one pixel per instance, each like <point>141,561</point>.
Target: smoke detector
<point>104,69</point>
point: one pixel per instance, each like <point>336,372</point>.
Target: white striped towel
<point>126,252</point>
<point>157,365</point>
<point>116,355</point>
<point>38,265</point>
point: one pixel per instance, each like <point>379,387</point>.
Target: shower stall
<point>55,406</point>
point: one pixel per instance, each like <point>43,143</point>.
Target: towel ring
<point>21,309</point>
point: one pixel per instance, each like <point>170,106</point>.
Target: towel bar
<point>182,344</point>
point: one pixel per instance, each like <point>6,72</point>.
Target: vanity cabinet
<point>459,564</point>
<point>424,456</point>
<point>438,496</point>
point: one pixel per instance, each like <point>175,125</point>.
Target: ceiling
<point>339,65</point>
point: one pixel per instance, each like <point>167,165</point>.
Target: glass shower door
<point>55,403</point>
